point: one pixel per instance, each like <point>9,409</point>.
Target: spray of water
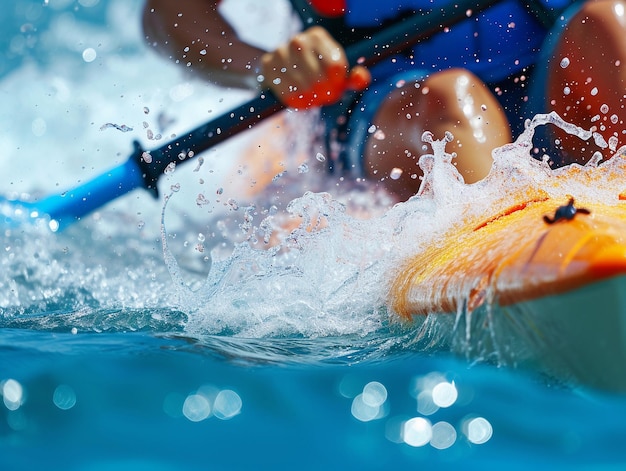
<point>325,274</point>
<point>330,276</point>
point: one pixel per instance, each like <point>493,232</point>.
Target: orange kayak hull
<point>524,293</point>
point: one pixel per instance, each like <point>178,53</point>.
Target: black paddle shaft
<point>385,43</point>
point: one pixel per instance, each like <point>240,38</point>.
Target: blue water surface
<point>128,390</point>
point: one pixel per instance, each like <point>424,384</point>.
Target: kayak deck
<point>513,257</point>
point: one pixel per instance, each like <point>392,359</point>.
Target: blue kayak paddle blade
<point>15,213</point>
<point>61,210</point>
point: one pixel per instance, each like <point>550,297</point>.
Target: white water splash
<point>329,275</point>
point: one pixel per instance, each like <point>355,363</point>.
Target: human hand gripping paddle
<point>144,168</point>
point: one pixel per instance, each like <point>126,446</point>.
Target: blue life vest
<point>495,44</point>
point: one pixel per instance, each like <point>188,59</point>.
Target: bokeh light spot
<point>64,397</point>
<point>196,408</point>
<point>227,404</point>
<point>417,432</point>
<point>478,430</point>
<point>12,393</point>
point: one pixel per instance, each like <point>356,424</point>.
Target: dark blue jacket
<point>494,44</point>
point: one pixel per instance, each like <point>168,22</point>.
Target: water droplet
<point>171,167</point>
<point>604,109</point>
<point>220,191</point>
<point>304,168</point>
<point>594,91</point>
<point>595,159</point>
<point>320,157</point>
<point>567,91</point>
<point>428,137</point>
<point>278,176</point>
<point>395,173</point>
<point>379,135</point>
<point>89,54</point>
<point>175,187</point>
<point>200,162</point>
<point>119,127</point>
<point>564,62</point>
<point>146,157</point>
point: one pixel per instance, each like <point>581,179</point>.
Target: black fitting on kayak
<point>565,213</point>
